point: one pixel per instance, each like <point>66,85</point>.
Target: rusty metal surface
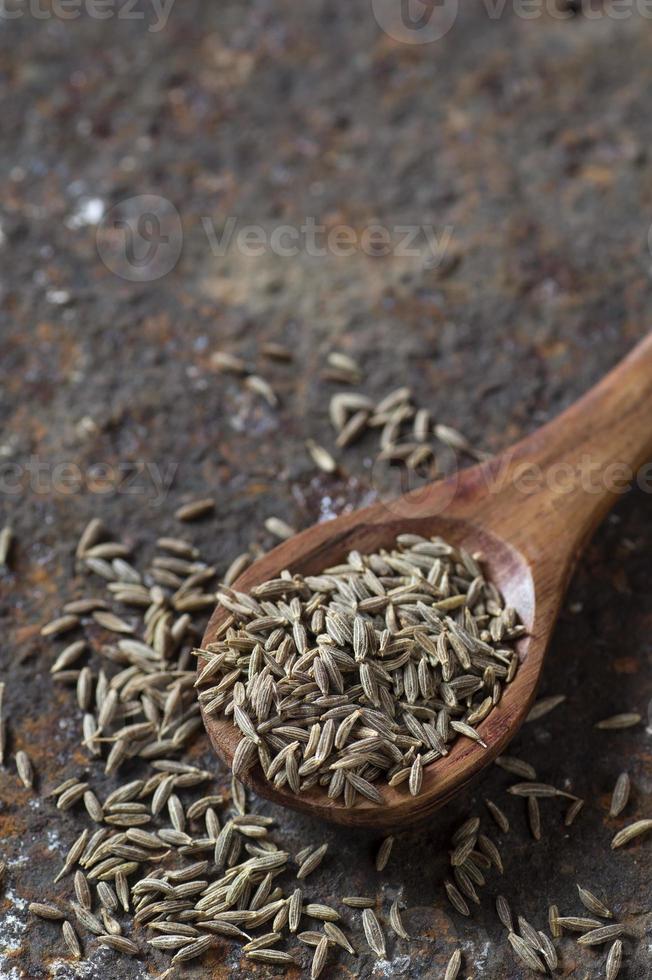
<point>530,140</point>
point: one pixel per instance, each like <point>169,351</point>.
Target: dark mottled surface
<point>529,140</point>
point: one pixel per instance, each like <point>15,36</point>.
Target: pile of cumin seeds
<point>363,674</point>
<point>166,863</point>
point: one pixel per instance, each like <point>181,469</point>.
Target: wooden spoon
<point>529,512</point>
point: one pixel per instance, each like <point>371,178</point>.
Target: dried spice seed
<point>228,363</point>
<point>614,960</point>
<point>321,457</point>
<point>517,767</point>
<point>544,706</point>
<point>577,923</point>
<point>499,817</point>
<point>280,529</point>
<point>45,911</point>
<point>358,902</point>
<point>25,769</point>
<point>195,510</point>
<point>71,940</point>
<point>337,936</point>
<point>631,832</point>
<point>549,952</point>
<point>534,817</point>
<point>572,812</point>
<point>319,959</point>
<point>553,921</point>
<point>454,965</point>
<point>529,933</point>
<point>373,932</point>
<point>504,913</point>
<point>120,943</point>
<point>6,542</point>
<point>596,937</point>
<point>396,922</point>
<point>456,899</point>
<point>63,624</point>
<point>620,796</point>
<point>259,386</point>
<point>384,851</point>
<point>619,722</point>
<point>525,953</point>
<point>593,903</point>
<point>275,957</point>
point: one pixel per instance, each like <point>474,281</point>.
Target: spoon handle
<point>560,482</point>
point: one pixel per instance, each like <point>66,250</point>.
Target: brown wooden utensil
<point>529,512</point>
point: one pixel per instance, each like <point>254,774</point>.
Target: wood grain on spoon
<point>529,512</point>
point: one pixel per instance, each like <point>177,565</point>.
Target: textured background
<point>529,139</point>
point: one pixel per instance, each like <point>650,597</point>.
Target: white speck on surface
<point>89,211</point>
<point>57,296</point>
<point>326,512</point>
<point>13,924</point>
<point>392,968</point>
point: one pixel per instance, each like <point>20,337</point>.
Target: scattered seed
<point>577,924</point>
<point>384,852</point>
<point>275,957</point>
<point>228,363</point>
<point>602,935</point>
<point>593,903</point>
<point>120,943</point>
<point>319,959</point>
<point>6,541</point>
<point>498,815</point>
<point>544,706</point>
<point>321,457</point>
<point>276,352</point>
<point>45,911</point>
<point>504,913</point>
<point>454,964</point>
<point>91,534</point>
<point>630,832</point>
<point>517,767</point>
<point>396,922</point>
<point>620,796</point>
<point>71,940</point>
<point>195,510</point>
<point>358,902</point>
<point>538,790</point>
<point>63,624</point>
<point>573,810</point>
<point>549,952</point>
<point>259,386</point>
<point>335,933</point>
<point>280,529</point>
<point>373,932</point>
<point>456,899</point>
<point>534,817</point>
<point>25,769</point>
<point>525,953</point>
<point>619,722</point>
<point>195,949</point>
<point>614,960</point>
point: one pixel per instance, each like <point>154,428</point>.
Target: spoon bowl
<point>528,525</point>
